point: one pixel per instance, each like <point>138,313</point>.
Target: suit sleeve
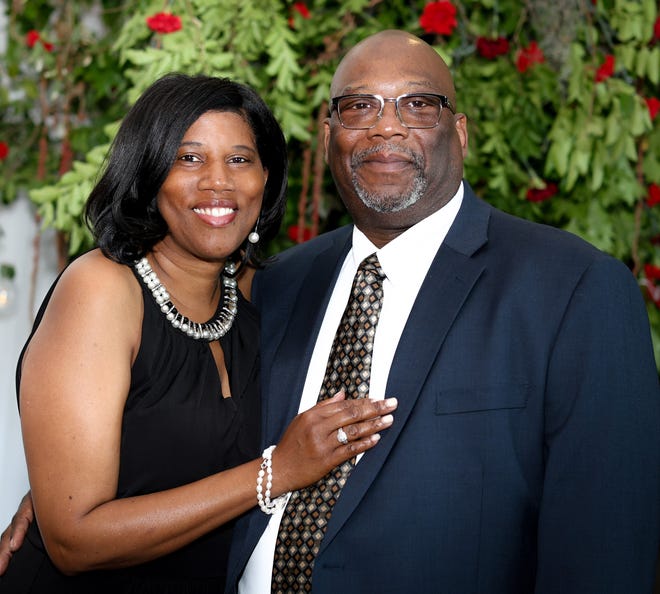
<point>599,525</point>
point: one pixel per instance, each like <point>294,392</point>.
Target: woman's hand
<point>310,447</point>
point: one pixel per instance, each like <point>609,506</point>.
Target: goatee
<point>384,201</point>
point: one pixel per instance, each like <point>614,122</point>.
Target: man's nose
<point>389,124</point>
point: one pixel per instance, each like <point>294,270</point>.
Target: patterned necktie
<point>307,513</point>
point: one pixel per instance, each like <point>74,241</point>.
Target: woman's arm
<point>76,375</point>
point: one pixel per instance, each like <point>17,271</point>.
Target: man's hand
<point>14,535</point>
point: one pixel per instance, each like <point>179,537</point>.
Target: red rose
<point>439,17</point>
<point>653,196</point>
<point>543,194</point>
<point>302,10</point>
<point>606,69</point>
<point>656,29</point>
<point>164,22</point>
<point>491,48</point>
<point>4,150</point>
<point>32,37</point>
<point>652,273</point>
<point>528,56</point>
<point>293,232</point>
<point>654,106</point>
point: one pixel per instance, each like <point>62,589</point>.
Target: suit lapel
<point>294,352</point>
<point>450,280</point>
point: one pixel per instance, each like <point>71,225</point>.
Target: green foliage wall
<point>562,99</point>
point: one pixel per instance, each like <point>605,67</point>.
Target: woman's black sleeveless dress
<point>177,428</point>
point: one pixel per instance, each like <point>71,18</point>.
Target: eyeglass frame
<point>444,102</point>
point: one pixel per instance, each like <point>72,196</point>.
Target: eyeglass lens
<point>415,111</point>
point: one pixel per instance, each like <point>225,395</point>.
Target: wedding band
<point>342,438</point>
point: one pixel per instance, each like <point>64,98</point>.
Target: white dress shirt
<point>405,261</point>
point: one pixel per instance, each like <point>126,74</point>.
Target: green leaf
<point>653,65</point>
<point>143,57</point>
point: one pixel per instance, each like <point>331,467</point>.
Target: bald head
<point>392,174</point>
<point>397,51</point>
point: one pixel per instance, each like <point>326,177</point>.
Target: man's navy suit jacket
<point>525,450</point>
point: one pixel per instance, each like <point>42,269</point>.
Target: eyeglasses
<point>414,110</point>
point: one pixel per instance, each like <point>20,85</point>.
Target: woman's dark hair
<point>122,211</point>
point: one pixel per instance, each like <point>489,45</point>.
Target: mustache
<point>388,147</point>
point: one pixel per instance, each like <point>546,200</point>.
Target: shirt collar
<point>408,257</point>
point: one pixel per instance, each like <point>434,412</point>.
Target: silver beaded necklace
<point>208,331</point>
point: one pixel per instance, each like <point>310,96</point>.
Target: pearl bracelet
<point>266,469</point>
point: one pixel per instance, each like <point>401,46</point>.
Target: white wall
<point>17,247</point>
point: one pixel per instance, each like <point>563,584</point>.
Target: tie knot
<point>371,265</point>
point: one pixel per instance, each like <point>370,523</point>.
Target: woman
<point>140,422</point>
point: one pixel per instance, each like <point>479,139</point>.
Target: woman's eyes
<point>191,158</point>
<point>239,159</point>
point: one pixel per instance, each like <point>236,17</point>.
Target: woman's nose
<point>215,176</point>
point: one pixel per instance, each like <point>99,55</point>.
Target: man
<point>525,454</point>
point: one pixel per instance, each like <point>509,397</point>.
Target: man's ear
<point>326,137</point>
<point>460,121</point>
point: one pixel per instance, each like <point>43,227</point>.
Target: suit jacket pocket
<point>481,398</point>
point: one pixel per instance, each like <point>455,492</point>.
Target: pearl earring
<point>254,236</point>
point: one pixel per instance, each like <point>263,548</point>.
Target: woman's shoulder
<point>96,277</point>
<point>95,307</point>
<point>95,265</point>
<point>97,288</point>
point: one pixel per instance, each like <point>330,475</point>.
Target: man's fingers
<point>13,536</point>
<point>5,557</point>
<point>25,509</point>
<point>18,530</point>
<point>5,551</point>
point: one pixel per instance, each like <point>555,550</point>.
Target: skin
<point>381,161</point>
<point>73,394</point>
<point>14,535</point>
